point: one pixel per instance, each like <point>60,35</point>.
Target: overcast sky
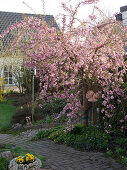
<point>53,7</point>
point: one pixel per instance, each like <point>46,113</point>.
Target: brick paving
<point>61,157</point>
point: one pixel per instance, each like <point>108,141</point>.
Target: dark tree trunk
<point>85,104</point>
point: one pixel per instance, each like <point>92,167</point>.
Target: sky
<point>53,7</point>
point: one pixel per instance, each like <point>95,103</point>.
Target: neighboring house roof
<point>9,18</point>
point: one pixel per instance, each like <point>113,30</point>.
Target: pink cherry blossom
<point>112,97</point>
<point>104,102</point>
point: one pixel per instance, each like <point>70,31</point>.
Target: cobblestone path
<point>60,157</point>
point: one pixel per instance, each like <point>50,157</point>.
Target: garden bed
<point>91,138</point>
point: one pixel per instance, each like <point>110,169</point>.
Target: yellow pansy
<point>27,159</point>
<point>20,160</point>
<point>27,154</point>
<point>19,157</point>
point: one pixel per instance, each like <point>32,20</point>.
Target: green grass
<point>6,111</point>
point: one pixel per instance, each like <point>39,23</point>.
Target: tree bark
<point>84,105</point>
<point>94,114</point>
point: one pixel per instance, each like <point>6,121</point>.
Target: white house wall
<point>10,61</point>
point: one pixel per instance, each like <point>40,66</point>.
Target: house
<point>6,61</point>
<point>122,16</point>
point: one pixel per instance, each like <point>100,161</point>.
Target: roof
<point>123,8</point>
<point>9,18</point>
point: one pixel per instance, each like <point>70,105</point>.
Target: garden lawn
<point>6,111</point>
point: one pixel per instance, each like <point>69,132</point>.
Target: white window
<point>8,75</point>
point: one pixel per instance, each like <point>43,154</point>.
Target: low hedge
<point>20,114</point>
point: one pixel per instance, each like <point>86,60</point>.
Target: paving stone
<point>69,168</point>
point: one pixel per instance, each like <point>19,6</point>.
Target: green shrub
<point>9,92</point>
<point>55,134</point>
<point>96,138</point>
<point>45,133</point>
<point>38,122</point>
<point>120,151</point>
<point>69,139</point>
<point>121,141</point>
<point>42,134</point>
<point>78,129</point>
<point>48,119</point>
<point>55,106</point>
<point>121,146</point>
<point>23,100</point>
<point>20,114</point>
<point>59,140</point>
<point>63,118</point>
<point>124,160</point>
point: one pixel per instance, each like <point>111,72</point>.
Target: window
<point>8,74</point>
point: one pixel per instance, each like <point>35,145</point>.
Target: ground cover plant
<point>90,138</point>
<point>17,151</point>
<point>3,163</point>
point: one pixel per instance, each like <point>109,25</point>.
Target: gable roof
<point>9,18</point>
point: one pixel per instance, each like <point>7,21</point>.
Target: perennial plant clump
<point>73,60</point>
<point>2,82</point>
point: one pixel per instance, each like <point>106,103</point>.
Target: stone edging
<point>44,125</point>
